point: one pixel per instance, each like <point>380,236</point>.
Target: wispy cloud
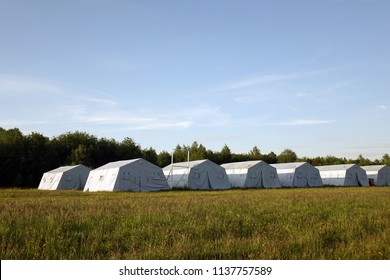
<point>102,101</point>
<point>269,78</point>
<point>381,107</point>
<point>304,122</point>
<point>23,85</point>
<point>15,123</point>
<point>82,114</point>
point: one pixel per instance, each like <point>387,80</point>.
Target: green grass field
<point>323,223</point>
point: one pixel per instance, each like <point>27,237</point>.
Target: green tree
<point>197,151</point>
<point>82,155</point>
<point>385,159</point>
<point>65,144</point>
<point>150,155</point>
<point>225,155</point>
<point>287,156</point>
<point>104,151</point>
<point>180,154</point>
<point>11,157</point>
<point>128,149</point>
<point>270,158</point>
<point>255,154</point>
<point>163,159</point>
<point>36,159</point>
<point>363,161</point>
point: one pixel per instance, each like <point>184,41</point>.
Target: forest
<point>25,157</point>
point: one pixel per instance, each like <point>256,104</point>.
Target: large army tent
<point>298,174</point>
<point>343,175</point>
<point>127,175</point>
<point>379,174</point>
<point>198,175</point>
<point>252,174</point>
<point>65,178</point>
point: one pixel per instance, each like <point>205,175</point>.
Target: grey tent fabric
<point>136,175</point>
<point>343,175</point>
<point>198,175</point>
<point>252,174</point>
<point>298,174</point>
<point>65,178</point>
<point>379,174</point>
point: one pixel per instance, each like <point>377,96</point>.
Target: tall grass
<point>324,223</point>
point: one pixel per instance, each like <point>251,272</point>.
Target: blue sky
<point>312,76</point>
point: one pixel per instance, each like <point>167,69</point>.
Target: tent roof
<point>185,164</point>
<point>242,164</point>
<point>374,167</point>
<point>117,164</point>
<point>290,165</point>
<point>335,167</point>
<point>62,169</point>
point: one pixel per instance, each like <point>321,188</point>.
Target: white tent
<point>343,175</point>
<point>298,174</point>
<point>380,174</point>
<point>252,174</point>
<point>65,178</point>
<point>198,174</point>
<point>127,175</point>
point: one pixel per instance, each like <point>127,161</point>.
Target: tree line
<point>25,157</point>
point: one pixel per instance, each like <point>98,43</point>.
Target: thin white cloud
<point>23,85</point>
<point>245,83</point>
<point>15,123</point>
<point>102,101</point>
<point>304,122</point>
<point>122,119</point>
<point>382,107</point>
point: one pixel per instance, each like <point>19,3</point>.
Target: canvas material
<point>300,174</point>
<point>65,178</point>
<point>134,175</point>
<point>199,175</point>
<point>252,174</point>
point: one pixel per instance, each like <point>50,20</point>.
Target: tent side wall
<point>380,174</point>
<point>314,178</point>
<point>50,181</point>
<point>177,178</point>
<point>286,177</point>
<point>140,176</point>
<point>270,177</point>
<point>300,177</point>
<point>254,177</point>
<point>361,176</point>
<point>237,177</point>
<point>262,175</point>
<point>74,179</point>
<point>383,177</point>
<point>333,177</point>
<point>65,178</point>
<point>200,175</point>
<point>299,174</point>
<point>198,178</point>
<point>217,177</point>
<point>101,180</point>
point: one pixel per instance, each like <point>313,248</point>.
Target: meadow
<point>279,224</point>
